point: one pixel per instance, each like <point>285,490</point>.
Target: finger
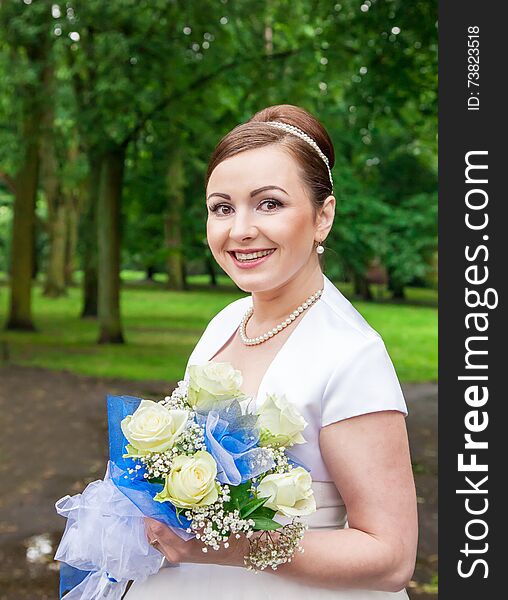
<point>150,526</point>
<point>148,531</point>
<point>159,531</point>
<point>149,521</point>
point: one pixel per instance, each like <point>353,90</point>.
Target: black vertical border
<point>461,131</point>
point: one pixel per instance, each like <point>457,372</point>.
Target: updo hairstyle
<point>255,134</point>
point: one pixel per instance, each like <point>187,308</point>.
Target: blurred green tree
<point>25,38</point>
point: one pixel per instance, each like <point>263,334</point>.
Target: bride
<point>269,196</point>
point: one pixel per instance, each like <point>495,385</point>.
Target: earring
<point>319,248</point>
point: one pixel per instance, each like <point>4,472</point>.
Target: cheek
<point>214,234</point>
<point>294,231</point>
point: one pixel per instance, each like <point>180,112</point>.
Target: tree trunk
<point>396,289</point>
<point>361,286</point>
<point>33,52</point>
<point>108,229</point>
<point>55,268</point>
<point>23,228</point>
<point>75,196</point>
<point>210,267</point>
<point>88,236</point>
<point>173,222</point>
<point>149,273</point>
<point>72,239</point>
<point>51,185</point>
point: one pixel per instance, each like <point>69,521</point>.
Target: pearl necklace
<point>262,338</point>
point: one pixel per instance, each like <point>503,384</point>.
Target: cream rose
<point>289,493</point>
<point>191,481</point>
<point>279,422</point>
<point>212,383</point>
<point>153,428</point>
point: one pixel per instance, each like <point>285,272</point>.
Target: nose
<point>243,225</point>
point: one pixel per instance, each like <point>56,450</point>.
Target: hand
<point>177,550</point>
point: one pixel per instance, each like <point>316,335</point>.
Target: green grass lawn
<point>162,327</point>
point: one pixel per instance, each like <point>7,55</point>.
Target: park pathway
<point>53,442</point>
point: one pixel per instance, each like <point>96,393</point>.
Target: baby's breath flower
<point>178,398</point>
<point>268,549</point>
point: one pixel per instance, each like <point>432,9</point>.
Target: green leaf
<point>158,480</point>
<point>251,506</point>
<point>178,512</point>
<point>264,524</point>
<point>263,511</point>
<point>134,452</point>
<point>240,494</point>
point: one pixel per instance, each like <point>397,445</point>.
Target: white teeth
<point>252,255</point>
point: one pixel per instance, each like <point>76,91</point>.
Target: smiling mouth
<point>251,256</point>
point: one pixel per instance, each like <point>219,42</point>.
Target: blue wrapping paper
<point>139,491</point>
<point>70,577</point>
<point>104,544</point>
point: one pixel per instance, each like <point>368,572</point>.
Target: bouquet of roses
<point>200,461</point>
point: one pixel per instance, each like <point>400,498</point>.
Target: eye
<point>215,208</point>
<point>275,204</point>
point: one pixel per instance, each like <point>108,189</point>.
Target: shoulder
<point>347,347</point>
<point>360,376</point>
<point>342,323</point>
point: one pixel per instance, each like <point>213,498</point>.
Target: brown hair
<point>254,134</point>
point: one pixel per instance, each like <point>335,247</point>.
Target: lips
<point>248,264</point>
<point>242,253</point>
<point>249,250</point>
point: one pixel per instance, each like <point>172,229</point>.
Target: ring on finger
<point>154,542</point>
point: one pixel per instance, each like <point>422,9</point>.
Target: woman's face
<point>257,201</point>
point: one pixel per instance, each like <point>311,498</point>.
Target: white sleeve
<point>365,383</point>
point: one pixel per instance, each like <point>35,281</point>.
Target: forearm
<point>349,558</point>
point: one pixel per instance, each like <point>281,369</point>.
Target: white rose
<point>212,383</point>
<point>289,493</point>
<point>153,427</point>
<point>279,422</point>
<point>191,481</point>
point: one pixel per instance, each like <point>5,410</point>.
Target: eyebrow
<point>252,194</point>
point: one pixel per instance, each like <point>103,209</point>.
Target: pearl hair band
<point>306,138</point>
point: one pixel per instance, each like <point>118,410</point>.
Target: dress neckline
<point>231,329</point>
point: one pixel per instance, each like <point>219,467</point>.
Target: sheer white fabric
<point>333,366</point>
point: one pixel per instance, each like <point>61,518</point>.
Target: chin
<point>254,286</point>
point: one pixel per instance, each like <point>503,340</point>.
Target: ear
<point>325,218</point>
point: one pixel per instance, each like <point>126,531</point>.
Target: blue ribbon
<point>232,438</point>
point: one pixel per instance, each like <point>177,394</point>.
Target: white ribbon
<point>105,534</point>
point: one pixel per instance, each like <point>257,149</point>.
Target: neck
<point>273,306</point>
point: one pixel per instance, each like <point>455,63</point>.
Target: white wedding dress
<point>332,366</point>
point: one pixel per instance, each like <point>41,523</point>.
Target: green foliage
<point>239,495</point>
<point>384,124</point>
<point>358,230</point>
<point>411,239</point>
<point>250,507</point>
<point>163,75</point>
